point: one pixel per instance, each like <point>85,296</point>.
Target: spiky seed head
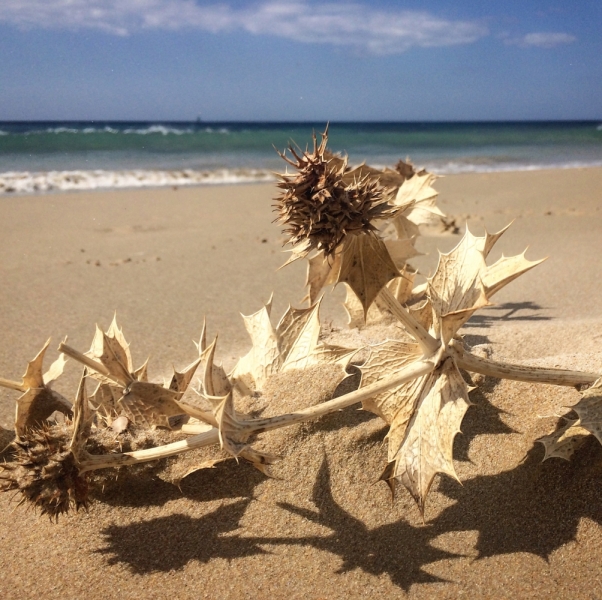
<point>45,472</point>
<point>319,208</point>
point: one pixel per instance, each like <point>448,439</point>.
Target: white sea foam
<point>24,182</point>
<point>162,129</point>
<point>452,168</point>
<point>151,129</point>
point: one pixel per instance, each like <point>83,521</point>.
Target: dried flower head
<point>320,207</point>
<point>44,471</point>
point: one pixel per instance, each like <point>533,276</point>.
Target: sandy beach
<point>165,259</point>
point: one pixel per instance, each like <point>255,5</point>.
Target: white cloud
<point>541,40</point>
<point>349,24</point>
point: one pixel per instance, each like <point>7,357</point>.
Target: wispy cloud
<point>338,24</point>
<point>541,40</point>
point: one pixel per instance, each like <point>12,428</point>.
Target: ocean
<point>38,157</point>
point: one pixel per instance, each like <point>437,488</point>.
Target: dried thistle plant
<point>340,215</point>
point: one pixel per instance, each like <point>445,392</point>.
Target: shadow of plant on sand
<point>398,549</point>
<point>482,418</point>
<point>146,488</point>
<point>535,507</point>
<point>508,311</point>
<point>178,539</point>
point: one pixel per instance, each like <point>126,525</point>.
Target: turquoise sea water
<point>41,156</point>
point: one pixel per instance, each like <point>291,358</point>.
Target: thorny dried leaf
<point>39,401</point>
<point>416,200</point>
<point>113,352</point>
<point>400,287</point>
<point>82,420</point>
<point>292,344</point>
<point>567,439</point>
<point>390,178</point>
<point>425,414</point>
<point>366,267</point>
<point>150,404</point>
<point>463,282</point>
<point>321,271</point>
<point>129,393</point>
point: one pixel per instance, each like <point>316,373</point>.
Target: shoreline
<point>25,183</point>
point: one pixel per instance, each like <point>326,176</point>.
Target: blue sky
<point>300,60</point>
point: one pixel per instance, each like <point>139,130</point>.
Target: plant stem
<point>427,342</point>
<point>197,413</point>
<point>12,385</point>
<point>503,370</point>
<point>89,362</point>
<point>208,438</point>
<point>93,462</point>
<point>412,371</point>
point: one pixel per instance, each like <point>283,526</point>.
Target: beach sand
<point>165,259</point>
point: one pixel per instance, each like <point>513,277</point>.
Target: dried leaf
<point>505,270</point>
<point>355,310</point>
<point>464,283</point>
<point>113,352</point>
<point>208,464</point>
<point>33,377</point>
<point>55,370</point>
<point>82,420</point>
<point>366,266</point>
<point>386,177</point>
<point>384,360</point>
<point>293,344</point>
<point>427,439</point>
<point>401,251</point>
<point>149,404</point>
<point>404,228</point>
<point>321,271</point>
<point>214,382</point>
<point>105,400</point>
<point>400,287</point>
<point>416,199</point>
<point>456,290</point>
<point>181,380</point>
<point>263,359</point>
<point>141,373</point>
<point>233,437</point>
<point>589,410</point>
<point>39,401</point>
<point>563,442</point>
<point>142,402</point>
<point>425,414</point>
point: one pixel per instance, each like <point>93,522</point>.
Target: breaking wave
<point>24,182</point>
